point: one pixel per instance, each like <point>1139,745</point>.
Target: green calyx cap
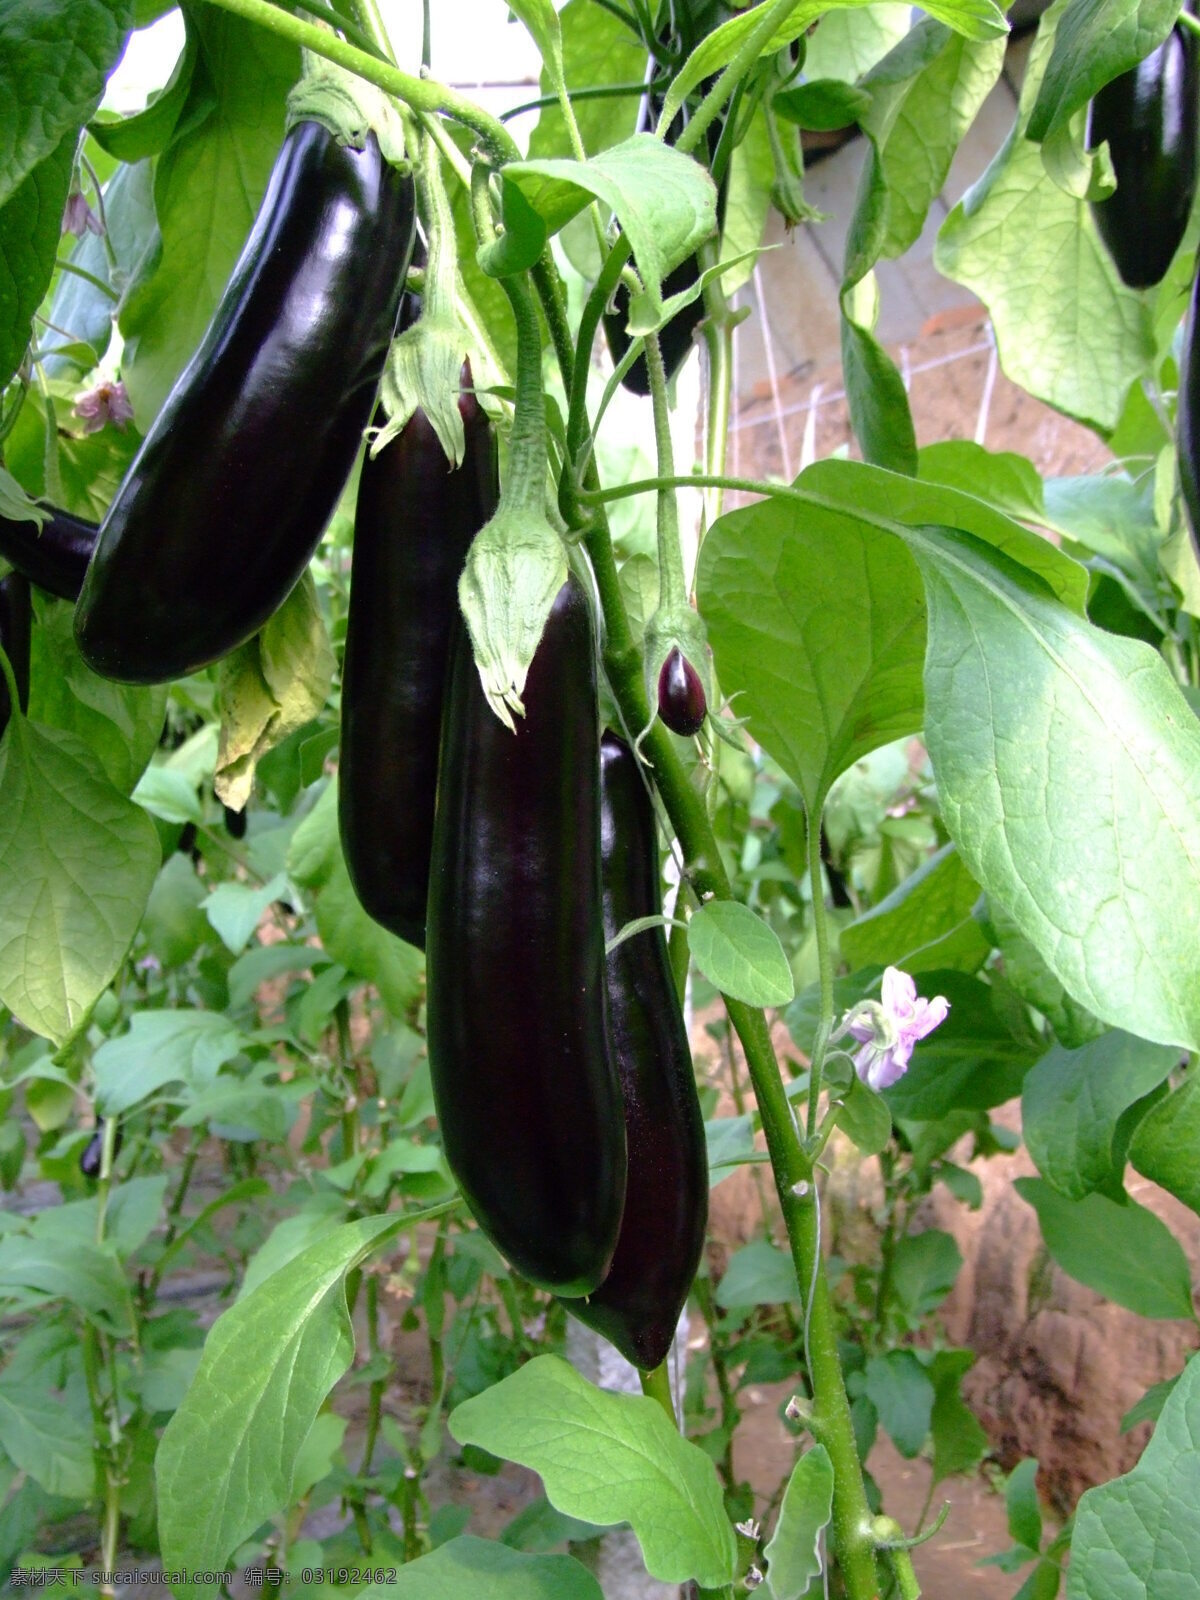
<point>515,567</point>
<point>348,106</point>
<point>424,369</point>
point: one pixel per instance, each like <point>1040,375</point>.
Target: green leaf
<point>1027,973</point>
<point>608,1458</point>
<point>1033,256</point>
<point>740,954</point>
<point>77,861</point>
<point>169,795</point>
<point>978,19</point>
<point>1095,41</point>
<point>898,1386</point>
<point>146,133</point>
<point>1149,1407</point>
<point>1073,1104</point>
<point>875,391</point>
<point>236,909</point>
<point>823,104</point>
<point>207,188</point>
<point>1137,1538</point>
<point>174,927</point>
<point>758,1274</point>
<point>925,923</point>
<point>55,57</point>
<point>747,202</point>
<point>665,202</point>
<point>121,722</point>
<point>1121,1251</point>
<point>824,656</point>
<point>864,1118</point>
<point>352,938</point>
<point>468,1568</point>
<point>70,1269</point>
<point>30,230</point>
<point>1022,1505</point>
<point>597,47</point>
<point>959,1443</point>
<point>270,686</point>
<point>1009,482</point>
<point>41,1435</point>
<point>228,1455</point>
<point>1165,1142</point>
<point>162,1047</point>
<point>1076,802</point>
<point>847,43</point>
<point>89,466</point>
<point>925,1267</point>
<point>793,1552</point>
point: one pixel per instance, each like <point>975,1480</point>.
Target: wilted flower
<point>106,403</point>
<point>888,1029</point>
<point>78,216</point>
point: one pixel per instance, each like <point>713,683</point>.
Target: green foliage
<point>793,1551</point>
<point>608,1458</point>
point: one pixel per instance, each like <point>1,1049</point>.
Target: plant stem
<point>602,91</point>
<point>105,289</point>
<point>422,94</point>
<point>656,1385</point>
<point>816,1062</point>
<point>378,1385</point>
<point>672,591</point>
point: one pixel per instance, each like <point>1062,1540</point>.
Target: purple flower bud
<point>681,699</point>
<point>106,403</point>
<point>79,218</point>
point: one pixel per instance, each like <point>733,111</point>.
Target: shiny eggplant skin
<point>681,700</point>
<point>230,491</point>
<point>55,557</point>
<point>525,1087</point>
<point>413,525</point>
<point>666,1198</point>
<point>1187,418</point>
<point>1149,118</point>
<point>92,1156</point>
<point>16,635</point>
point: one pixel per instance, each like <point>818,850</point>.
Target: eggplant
<point>525,1088</point>
<point>231,489</point>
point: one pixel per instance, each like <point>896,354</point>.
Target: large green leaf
<point>665,202</point>
<point>900,1389</point>
<point>1138,1537</point>
<point>226,1460</point>
<point>51,1262</point>
<point>1165,1143</point>
<point>77,862</point>
<point>55,56</point>
<point>608,1458</point>
<point>740,953</point>
<point>39,1434</point>
<point>207,189</point>
<point>1068,769</point>
<point>1122,1251</point>
<point>1073,1105</point>
<point>823,655</point>
<point>468,1568</point>
<point>121,722</point>
<point>925,923</point>
<point>30,229</point>
<point>162,1047</point>
<point>1095,41</point>
<point>849,41</point>
<point>1066,327</point>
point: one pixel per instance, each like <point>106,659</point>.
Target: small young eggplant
<point>413,525</point>
<point>524,1084</point>
<point>16,633</point>
<point>230,491</point>
<point>666,1198</point>
<point>54,557</point>
<point>682,702</point>
<point>92,1158</point>
<point>1149,118</point>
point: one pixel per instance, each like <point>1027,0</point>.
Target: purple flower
<point>106,403</point>
<point>79,218</point>
<point>887,1030</point>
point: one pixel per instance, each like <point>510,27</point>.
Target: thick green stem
<point>816,1060</point>
<point>718,339</point>
<point>372,24</point>
<point>672,591</point>
<point>441,269</point>
<point>422,94</point>
<point>90,277</point>
<point>525,483</point>
<point>656,1385</point>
